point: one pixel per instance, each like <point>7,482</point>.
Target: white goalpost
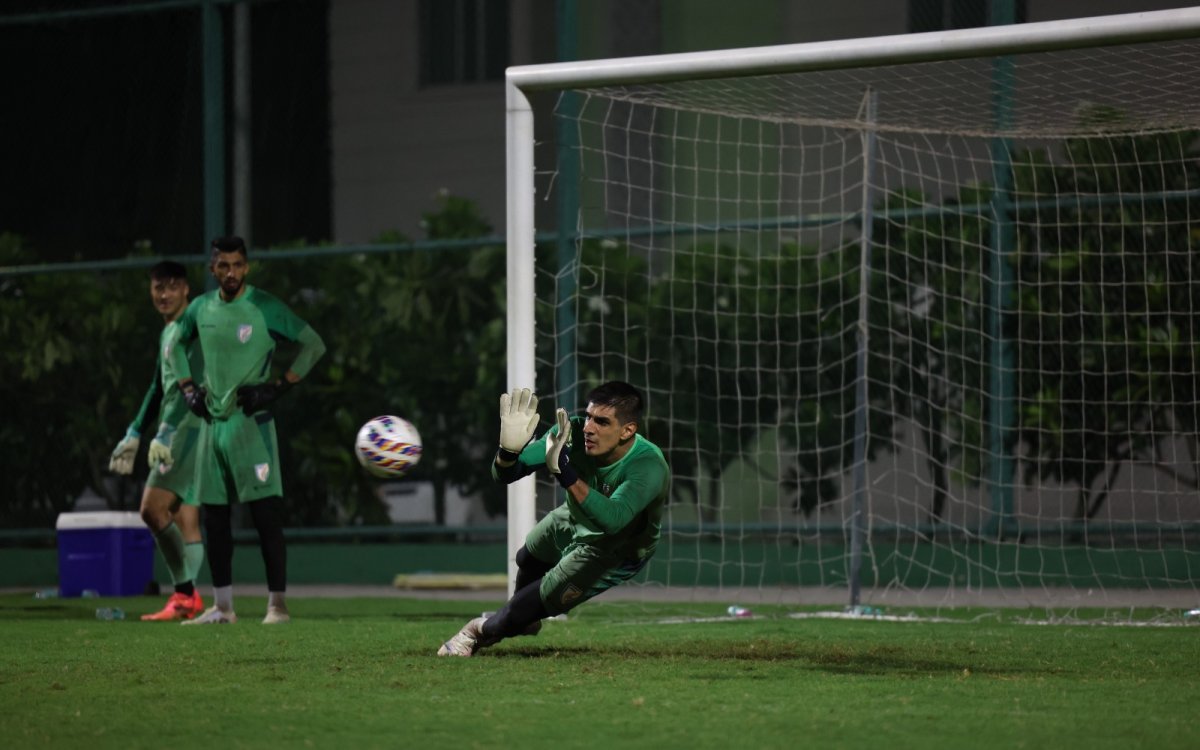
<point>917,317</point>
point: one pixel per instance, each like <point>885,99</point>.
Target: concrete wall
<point>395,145</point>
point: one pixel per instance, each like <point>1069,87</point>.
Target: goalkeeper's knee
<point>529,568</point>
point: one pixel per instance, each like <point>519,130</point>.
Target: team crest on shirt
<point>606,489</point>
<point>570,595</point>
<point>262,471</point>
<point>245,332</point>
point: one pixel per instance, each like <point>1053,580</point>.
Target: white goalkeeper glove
<point>160,446</point>
<point>121,460</point>
<point>518,420</point>
<point>558,450</point>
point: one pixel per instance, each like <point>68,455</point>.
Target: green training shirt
<point>164,389</point>
<point>238,343</point>
<point>166,382</point>
<point>625,501</point>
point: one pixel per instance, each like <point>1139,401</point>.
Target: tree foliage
<point>730,342</point>
<point>415,333</point>
<point>1102,322</point>
<point>1107,315</point>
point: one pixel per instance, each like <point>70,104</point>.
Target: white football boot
<point>467,642</point>
<point>213,616</point>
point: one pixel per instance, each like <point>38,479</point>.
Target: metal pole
<point>858,513</point>
<point>1001,388</point>
<point>1072,33</point>
<point>566,370</point>
<point>242,183</point>
<point>520,296</point>
<point>214,121</point>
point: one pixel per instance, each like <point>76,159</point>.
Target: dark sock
<point>266,516</point>
<point>218,525</point>
<point>187,589</point>
<point>522,610</point>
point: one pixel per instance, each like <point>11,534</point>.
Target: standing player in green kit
<point>169,506</point>
<point>615,484</point>
<point>238,458</point>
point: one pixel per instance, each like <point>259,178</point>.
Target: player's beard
<point>230,287</point>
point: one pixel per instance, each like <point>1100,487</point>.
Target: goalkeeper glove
<point>121,460</point>
<point>518,419</point>
<point>196,399</point>
<point>558,453</point>
<point>254,398</point>
<point>160,446</point>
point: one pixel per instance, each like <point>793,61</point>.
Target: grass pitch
<point>358,673</point>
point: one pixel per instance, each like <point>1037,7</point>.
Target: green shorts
<point>180,477</point>
<point>582,570</point>
<point>238,460</point>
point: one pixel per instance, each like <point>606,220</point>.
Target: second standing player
<point>237,326</point>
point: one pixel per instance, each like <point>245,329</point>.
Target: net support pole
<point>1001,388</point>
<point>566,368</point>
<point>858,512</point>
<point>519,292</point>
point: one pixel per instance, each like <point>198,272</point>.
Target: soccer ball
<point>388,447</point>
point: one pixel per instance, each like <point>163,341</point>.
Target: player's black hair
<point>168,269</point>
<point>622,397</point>
<point>230,244</point>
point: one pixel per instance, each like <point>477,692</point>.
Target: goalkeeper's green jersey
<point>624,506</point>
<point>164,390</point>
<point>238,343</point>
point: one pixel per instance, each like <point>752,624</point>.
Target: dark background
<point>101,131</point>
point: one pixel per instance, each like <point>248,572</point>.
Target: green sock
<point>170,544</point>
<point>193,558</point>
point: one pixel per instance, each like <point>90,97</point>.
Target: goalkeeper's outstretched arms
<point>518,420</point>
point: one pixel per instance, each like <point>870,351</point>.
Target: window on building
<point>939,15</point>
<point>463,41</point>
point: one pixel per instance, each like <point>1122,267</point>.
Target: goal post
<point>916,315</point>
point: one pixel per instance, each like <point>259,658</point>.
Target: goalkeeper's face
<point>604,437</point>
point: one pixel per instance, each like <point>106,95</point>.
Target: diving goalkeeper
<point>606,530</point>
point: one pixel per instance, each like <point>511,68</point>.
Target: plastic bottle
<point>46,594</point>
<point>110,613</point>
<point>736,611</point>
<point>90,594</point>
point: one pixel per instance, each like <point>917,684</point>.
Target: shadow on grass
<point>45,612</point>
<point>832,658</point>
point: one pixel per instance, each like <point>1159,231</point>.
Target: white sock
<point>276,599</point>
<point>223,597</point>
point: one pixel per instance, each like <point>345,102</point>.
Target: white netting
<point>1032,313</point>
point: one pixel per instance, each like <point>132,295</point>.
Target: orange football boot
<point>179,607</point>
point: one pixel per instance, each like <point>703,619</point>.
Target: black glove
<point>195,398</point>
<point>566,474</point>
<point>254,398</point>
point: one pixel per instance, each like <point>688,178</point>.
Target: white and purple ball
<point>388,447</point>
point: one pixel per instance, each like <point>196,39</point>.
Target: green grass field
<point>362,673</point>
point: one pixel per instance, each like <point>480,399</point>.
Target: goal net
<point>919,327</point>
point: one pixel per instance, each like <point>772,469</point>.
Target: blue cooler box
<point>110,552</point>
